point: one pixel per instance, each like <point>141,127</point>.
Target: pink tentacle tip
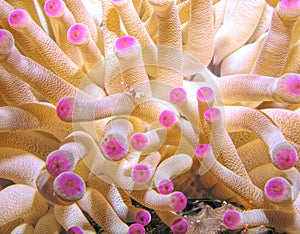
<point>64,108</point>
<point>143,217</point>
<point>113,147</point>
<point>180,226</point>
<point>290,3</point>
<point>18,18</point>
<point>136,228</point>
<point>179,201</point>
<point>165,187</point>
<point>292,85</point>
<point>125,42</point>
<point>54,8</point>
<point>139,141</point>
<point>289,9</point>
<point>69,186</point>
<point>167,118</point>
<point>284,155</point>
<point>201,150</point>
<point>78,34</point>
<point>75,230</point>
<point>212,114</point>
<point>277,190</point>
<point>141,173</point>
<point>205,94</point>
<point>59,161</point>
<point>177,95</point>
<point>231,219</point>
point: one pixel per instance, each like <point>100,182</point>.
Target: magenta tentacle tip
<point>201,150</point>
<point>284,156</point>
<point>141,173</point>
<point>165,187</point>
<point>75,230</point>
<point>292,85</point>
<point>286,159</point>
<point>180,226</point>
<point>289,3</point>
<point>78,34</point>
<point>69,186</point>
<point>139,141</point>
<point>277,190</point>
<point>18,18</point>
<point>287,88</point>
<point>167,118</point>
<point>205,94</point>
<point>136,228</point>
<point>289,9</point>
<point>125,42</point>
<point>54,8</point>
<point>59,161</point>
<point>64,108</point>
<point>143,217</point>
<point>177,95</point>
<point>179,201</point>
<point>114,147</point>
<point>212,114</point>
<point>231,219</point>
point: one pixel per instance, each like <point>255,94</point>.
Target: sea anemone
<point>156,101</point>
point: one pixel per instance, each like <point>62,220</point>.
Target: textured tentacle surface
<point>158,101</point>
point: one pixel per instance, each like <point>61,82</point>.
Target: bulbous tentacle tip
<point>54,8</point>
<point>143,217</point>
<point>284,156</point>
<point>202,150</point>
<point>139,141</point>
<point>64,108</point>
<point>289,9</point>
<point>180,226</point>
<point>78,34</point>
<point>167,118</point>
<point>231,219</point>
<point>179,201</point>
<point>75,230</point>
<point>114,147</point>
<point>205,94</point>
<point>165,187</point>
<point>212,114</point>
<point>177,95</point>
<point>69,186</point>
<point>278,190</point>
<point>18,18</point>
<point>141,173</point>
<point>136,228</point>
<point>59,161</point>
<point>125,42</point>
<point>287,88</point>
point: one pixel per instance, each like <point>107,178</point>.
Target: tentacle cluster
<point>107,101</point>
